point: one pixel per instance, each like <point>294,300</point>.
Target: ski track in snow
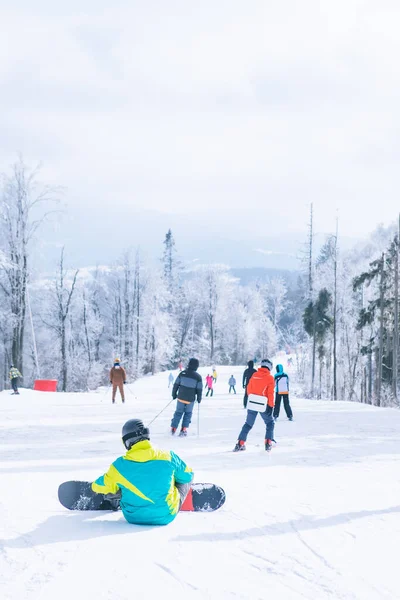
<point>316,518</point>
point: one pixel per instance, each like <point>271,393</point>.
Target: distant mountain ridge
<point>251,274</point>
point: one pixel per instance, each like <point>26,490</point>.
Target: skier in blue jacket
<point>282,393</point>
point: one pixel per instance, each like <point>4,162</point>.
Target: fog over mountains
<point>101,236</point>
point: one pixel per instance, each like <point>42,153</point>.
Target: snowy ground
<point>317,518</point>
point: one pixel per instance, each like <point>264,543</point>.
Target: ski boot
<point>290,418</point>
<point>173,430</point>
<point>268,445</point>
<point>183,432</point>
<point>240,446</point>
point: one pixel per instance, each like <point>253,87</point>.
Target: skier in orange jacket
<point>262,383</point>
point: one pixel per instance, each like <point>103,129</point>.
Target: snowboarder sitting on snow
<point>209,385</point>
<point>149,484</point>
<point>117,379</point>
<point>282,393</point>
<point>247,375</point>
<point>261,384</point>
<point>14,374</point>
<point>232,383</point>
<point>188,387</point>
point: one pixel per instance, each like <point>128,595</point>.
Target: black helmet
<point>193,364</point>
<point>134,431</point>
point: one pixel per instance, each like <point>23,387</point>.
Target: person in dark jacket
<point>188,388</point>
<point>247,375</point>
<point>282,393</point>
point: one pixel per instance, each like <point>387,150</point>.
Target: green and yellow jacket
<point>146,477</point>
<point>14,373</point>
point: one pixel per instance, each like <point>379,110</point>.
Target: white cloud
<point>218,106</point>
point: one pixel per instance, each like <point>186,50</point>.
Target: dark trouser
<point>119,386</point>
<point>14,383</point>
<point>182,410</point>
<point>232,387</point>
<point>278,399</point>
<point>183,489</point>
<point>210,390</point>
<point>251,419</point>
<point>245,398</point>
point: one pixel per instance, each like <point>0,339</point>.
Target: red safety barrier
<point>45,385</point>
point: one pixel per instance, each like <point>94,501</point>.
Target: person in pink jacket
<point>209,384</point>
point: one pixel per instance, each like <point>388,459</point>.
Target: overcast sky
<point>217,106</point>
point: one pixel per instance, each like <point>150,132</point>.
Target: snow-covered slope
<point>317,518</point>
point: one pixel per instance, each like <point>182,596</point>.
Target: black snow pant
<point>288,410</point>
<point>14,384</point>
<point>245,398</point>
<point>232,387</point>
<point>210,390</point>
<point>183,490</point>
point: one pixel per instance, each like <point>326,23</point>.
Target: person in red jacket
<point>262,383</point>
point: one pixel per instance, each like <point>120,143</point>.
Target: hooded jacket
<point>281,381</point>
<point>146,477</point>
<point>262,384</point>
<point>248,373</point>
<point>188,386</point>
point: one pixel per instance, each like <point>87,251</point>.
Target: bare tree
<point>21,196</point>
<point>396,315</point>
<point>335,308</point>
<point>311,294</point>
<point>381,329</point>
<point>63,297</point>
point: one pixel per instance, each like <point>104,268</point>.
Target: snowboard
<point>78,495</point>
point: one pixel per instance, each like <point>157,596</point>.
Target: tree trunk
<point>380,354</point>
<point>311,293</point>
<point>335,315</point>
<point>370,377</point>
<point>138,313</point>
<point>314,348</point>
<point>396,317</point>
<point>64,367</point>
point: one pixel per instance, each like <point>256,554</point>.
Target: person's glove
<point>124,382</point>
<point>113,499</point>
<point>110,381</point>
<point>199,401</point>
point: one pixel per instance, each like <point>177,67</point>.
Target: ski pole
<point>129,390</point>
<point>161,411</point>
<point>198,419</point>
<point>105,392</point>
